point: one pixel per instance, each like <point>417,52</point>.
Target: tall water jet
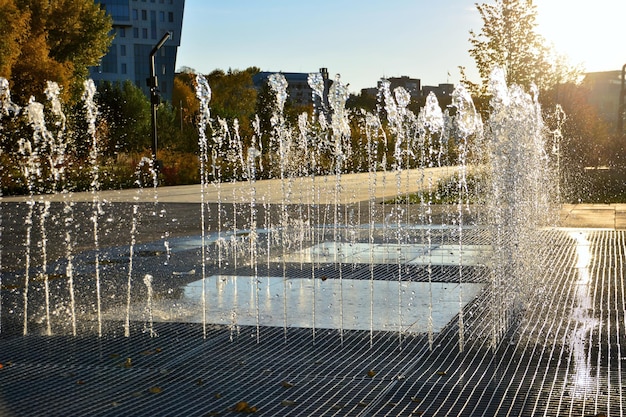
<point>58,146</point>
<point>338,95</point>
<point>521,197</point>
<point>203,93</point>
<point>96,203</point>
<point>430,128</point>
<point>399,121</point>
<point>468,123</point>
<point>29,149</point>
<point>282,135</point>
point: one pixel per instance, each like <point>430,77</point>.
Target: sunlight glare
<point>588,32</point>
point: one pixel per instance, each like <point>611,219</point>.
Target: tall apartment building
<point>138,27</point>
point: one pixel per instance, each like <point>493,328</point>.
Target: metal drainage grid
<point>561,356</point>
<point>181,373</point>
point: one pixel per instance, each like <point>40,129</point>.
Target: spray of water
<point>91,117</point>
<point>203,93</point>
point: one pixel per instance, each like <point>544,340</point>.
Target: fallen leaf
<point>286,384</point>
<point>371,373</point>
<point>240,406</point>
<point>155,390</point>
<point>287,403</point>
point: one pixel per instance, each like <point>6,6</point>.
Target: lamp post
<point>155,99</point>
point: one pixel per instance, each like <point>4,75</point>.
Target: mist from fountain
<point>321,224</point>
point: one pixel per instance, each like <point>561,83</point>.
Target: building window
<point>144,15</point>
<point>122,32</point>
<point>161,16</point>
<point>108,64</point>
<point>170,17</point>
<point>135,14</point>
<point>124,68</point>
<point>117,9</point>
<point>123,50</point>
<point>144,33</point>
<point>135,33</point>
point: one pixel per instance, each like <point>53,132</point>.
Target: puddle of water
<point>233,300</point>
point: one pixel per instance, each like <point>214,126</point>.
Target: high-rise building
<point>138,26</point>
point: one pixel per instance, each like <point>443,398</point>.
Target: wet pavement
<point>376,324</point>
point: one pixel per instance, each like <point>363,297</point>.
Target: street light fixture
<point>155,99</point>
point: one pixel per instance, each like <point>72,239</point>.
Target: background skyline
<point>364,40</point>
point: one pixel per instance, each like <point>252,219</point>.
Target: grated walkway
<point>561,356</point>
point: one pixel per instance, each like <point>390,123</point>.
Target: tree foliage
<point>234,95</point>
<point>44,40</point>
<point>126,113</point>
<point>509,40</point>
<point>13,30</point>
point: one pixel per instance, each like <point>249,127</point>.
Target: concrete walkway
<point>597,216</point>
<point>318,190</point>
<point>324,190</point>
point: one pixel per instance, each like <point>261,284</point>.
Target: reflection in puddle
<point>582,381</point>
<point>472,255</point>
<point>232,300</point>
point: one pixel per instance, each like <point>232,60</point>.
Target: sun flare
<point>589,33</point>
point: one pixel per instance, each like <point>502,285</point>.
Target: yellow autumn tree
<point>43,40</point>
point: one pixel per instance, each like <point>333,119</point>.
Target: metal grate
<point>561,356</point>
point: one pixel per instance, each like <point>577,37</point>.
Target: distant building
<point>411,85</point>
<point>441,90</point>
<point>371,91</point>
<point>604,93</point>
<point>138,26</point>
<point>299,92</point>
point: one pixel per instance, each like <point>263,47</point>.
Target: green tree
<point>51,41</point>
<point>508,39</point>
<point>186,107</point>
<point>126,113</point>
<point>234,95</point>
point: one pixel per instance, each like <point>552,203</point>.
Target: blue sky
<point>364,40</point>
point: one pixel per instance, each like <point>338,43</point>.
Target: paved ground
<point>604,216</point>
<point>557,353</point>
<point>321,190</point>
